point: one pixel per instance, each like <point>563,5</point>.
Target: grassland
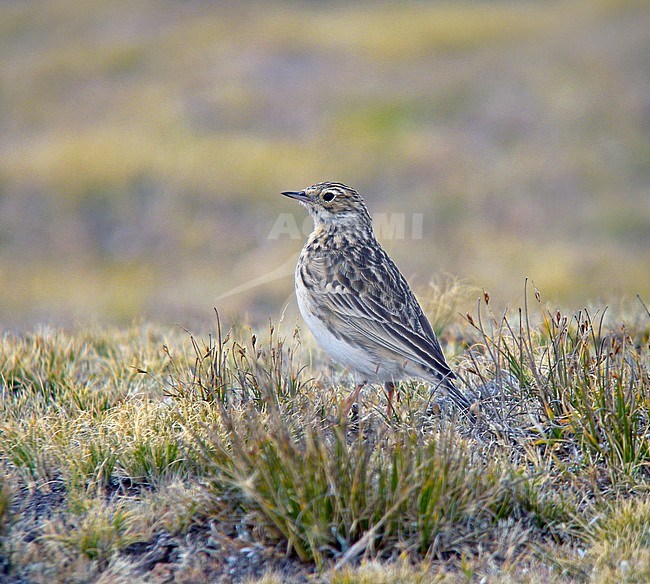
<point>149,455</point>
<point>143,145</point>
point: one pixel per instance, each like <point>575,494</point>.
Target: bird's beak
<point>301,196</point>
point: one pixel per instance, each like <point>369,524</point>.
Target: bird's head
<point>333,204</point>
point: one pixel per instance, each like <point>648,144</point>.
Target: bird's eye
<point>328,196</point>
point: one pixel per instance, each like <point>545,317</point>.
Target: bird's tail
<point>458,397</point>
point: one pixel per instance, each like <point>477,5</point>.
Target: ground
<point>149,455</point>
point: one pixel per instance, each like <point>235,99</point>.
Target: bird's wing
<point>373,300</point>
<point>368,318</point>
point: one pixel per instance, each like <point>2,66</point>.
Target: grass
<point>137,453</point>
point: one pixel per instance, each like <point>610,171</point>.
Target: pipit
<point>356,302</point>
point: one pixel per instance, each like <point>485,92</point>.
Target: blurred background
<point>144,143</point>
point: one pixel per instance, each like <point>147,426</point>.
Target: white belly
<point>343,353</point>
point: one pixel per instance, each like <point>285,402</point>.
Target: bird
<point>358,305</point>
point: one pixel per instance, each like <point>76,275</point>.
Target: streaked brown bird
<point>356,302</point>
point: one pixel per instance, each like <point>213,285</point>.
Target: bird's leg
<point>390,388</point>
<point>352,398</point>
